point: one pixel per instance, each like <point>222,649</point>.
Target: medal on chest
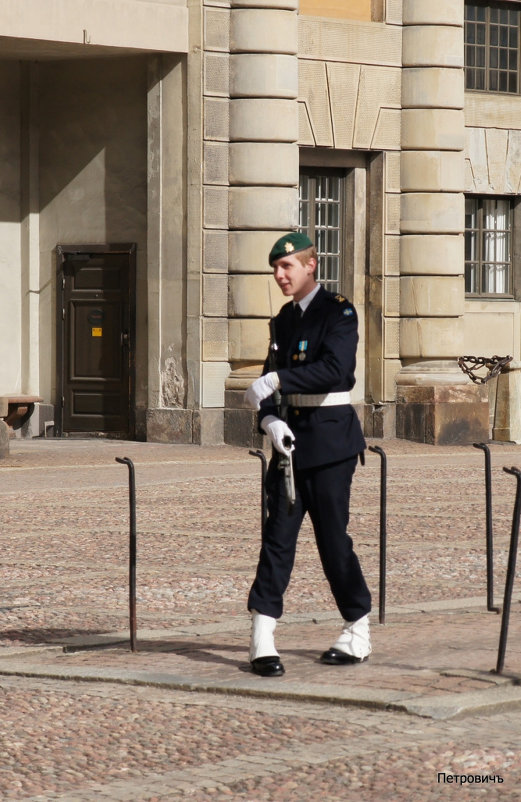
<point>302,348</point>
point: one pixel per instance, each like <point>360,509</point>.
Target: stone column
<point>263,180</point>
<point>432,291</point>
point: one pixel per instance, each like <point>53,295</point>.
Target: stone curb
<point>503,692</point>
<point>506,694</point>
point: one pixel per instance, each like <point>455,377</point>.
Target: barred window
<point>321,218</point>
<point>492,46</point>
<point>488,246</point>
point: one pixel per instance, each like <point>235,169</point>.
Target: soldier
<point>316,335</point>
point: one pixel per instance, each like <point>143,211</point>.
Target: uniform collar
<point>305,302</point>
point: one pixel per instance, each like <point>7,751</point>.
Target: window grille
<point>492,36</point>
<point>488,246</point>
<point>321,218</point>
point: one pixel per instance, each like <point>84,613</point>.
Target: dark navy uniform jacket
<point>318,355</point>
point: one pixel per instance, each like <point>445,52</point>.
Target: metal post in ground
<point>383,528</point>
<point>511,570</point>
<point>264,496</point>
<point>489,534</point>
<point>132,549</point>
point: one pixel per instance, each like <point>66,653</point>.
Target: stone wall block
<point>343,83</point>
<point>217,29</point>
<point>249,296</point>
<point>433,87</point>
<point>432,254</point>
<point>513,163</point>
<point>305,130</point>
<point>263,75</point>
<point>432,296</point>
<point>263,120</point>
<point>216,118</point>
<point>433,129</point>
<point>431,338</point>
<point>492,110</point>
<point>354,42</point>
<point>240,426</point>
<point>379,87</point>
<point>392,296</point>
<point>289,5</point>
<point>215,201</point>
<point>248,339</point>
<point>387,132</point>
<point>258,30</point>
<point>476,153</point>
<point>434,171</point>
<point>392,255</point>
<point>215,339</point>
<point>216,74</point>
<point>497,146</point>
<point>432,46</point>
<point>215,163</point>
<point>208,427</point>
<point>425,12</point>
<point>507,414</point>
<point>432,212</point>
<point>215,295</point>
<point>259,163</point>
<point>314,89</point>
<point>214,376</point>
<point>215,251</point>
<point>392,11</point>
<point>263,207</point>
<point>169,425</point>
<point>490,154</point>
<point>248,250</point>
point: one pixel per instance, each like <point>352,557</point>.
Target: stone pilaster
<point>263,175</point>
<point>215,163</point>
<point>432,181</point>
<point>432,225</point>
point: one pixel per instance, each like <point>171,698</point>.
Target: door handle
<point>125,339</point>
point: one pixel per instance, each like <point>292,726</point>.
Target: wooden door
<point>96,339</point>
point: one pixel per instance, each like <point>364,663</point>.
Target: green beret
<point>289,244</point>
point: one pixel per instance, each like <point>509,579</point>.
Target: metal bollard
<point>132,549</point>
<point>511,570</point>
<point>383,529</point>
<point>489,535</point>
<point>264,496</point>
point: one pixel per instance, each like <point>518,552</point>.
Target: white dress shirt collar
<point>305,302</point>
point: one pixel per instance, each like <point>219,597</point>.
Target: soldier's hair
<point>307,254</point>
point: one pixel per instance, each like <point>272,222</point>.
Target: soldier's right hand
<point>278,431</point>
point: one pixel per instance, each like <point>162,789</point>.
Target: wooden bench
<point>15,409</point>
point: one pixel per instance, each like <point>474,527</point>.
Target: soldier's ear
<point>312,263</point>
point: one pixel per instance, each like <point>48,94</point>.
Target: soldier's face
<point>293,277</point>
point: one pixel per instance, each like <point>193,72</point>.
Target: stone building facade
<point>155,149</point>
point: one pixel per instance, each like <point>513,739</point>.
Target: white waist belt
<point>318,399</point>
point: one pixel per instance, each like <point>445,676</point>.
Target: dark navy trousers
<point>323,492</point>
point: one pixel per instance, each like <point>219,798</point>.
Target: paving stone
<point>183,718</point>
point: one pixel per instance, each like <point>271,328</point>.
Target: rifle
<point>285,461</point>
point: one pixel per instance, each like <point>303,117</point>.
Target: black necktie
<point>297,314</point>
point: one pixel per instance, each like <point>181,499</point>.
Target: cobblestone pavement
<point>84,718</point>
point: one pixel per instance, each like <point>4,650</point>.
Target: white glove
<point>261,388</point>
<point>277,430</point>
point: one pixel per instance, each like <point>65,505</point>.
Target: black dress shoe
<point>267,666</point>
<point>334,657</point>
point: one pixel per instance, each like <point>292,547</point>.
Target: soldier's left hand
<point>261,388</point>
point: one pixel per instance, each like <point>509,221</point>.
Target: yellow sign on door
<point>97,332</point>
